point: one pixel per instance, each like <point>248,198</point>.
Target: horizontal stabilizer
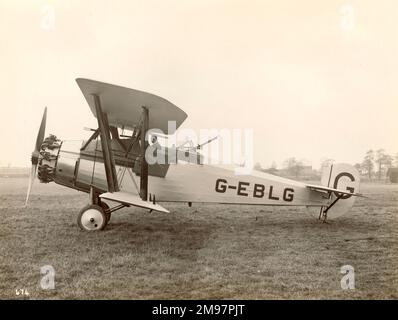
<point>329,190</point>
<point>132,199</point>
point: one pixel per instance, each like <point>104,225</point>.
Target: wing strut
<point>104,132</point>
<point>93,136</point>
<point>144,164</point>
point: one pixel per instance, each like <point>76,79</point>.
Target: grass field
<point>205,252</point>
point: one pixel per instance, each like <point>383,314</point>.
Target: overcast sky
<point>312,78</point>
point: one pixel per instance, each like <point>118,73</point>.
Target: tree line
<point>376,163</point>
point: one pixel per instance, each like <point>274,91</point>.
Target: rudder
<point>341,176</point>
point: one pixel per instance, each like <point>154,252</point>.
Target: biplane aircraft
<point>99,165</point>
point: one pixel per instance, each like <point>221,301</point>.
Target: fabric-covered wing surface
<point>124,106</point>
<point>132,199</point>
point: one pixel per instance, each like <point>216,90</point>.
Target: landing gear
<point>92,218</point>
<point>107,211</point>
<point>97,214</point>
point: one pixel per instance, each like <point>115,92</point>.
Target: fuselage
<point>182,180</point>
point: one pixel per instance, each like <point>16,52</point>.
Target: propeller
<point>36,153</point>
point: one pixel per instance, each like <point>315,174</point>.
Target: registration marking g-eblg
<point>259,190</point>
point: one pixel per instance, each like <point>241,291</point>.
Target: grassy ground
<point>207,251</point>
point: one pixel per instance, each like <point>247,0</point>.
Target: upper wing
<point>124,106</point>
<point>329,190</point>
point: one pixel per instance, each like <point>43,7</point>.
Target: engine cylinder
<point>48,159</point>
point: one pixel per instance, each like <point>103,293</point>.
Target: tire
<point>106,208</point>
<point>92,218</point>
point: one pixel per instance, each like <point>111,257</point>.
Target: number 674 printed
<point>47,281</point>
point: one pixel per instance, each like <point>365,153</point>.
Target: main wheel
<point>92,218</point>
<point>105,207</point>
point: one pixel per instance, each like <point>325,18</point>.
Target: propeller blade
<point>31,180</point>
<point>40,135</point>
<point>36,154</point>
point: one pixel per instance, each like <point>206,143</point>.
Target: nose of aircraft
<point>43,156</point>
<point>36,153</point>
